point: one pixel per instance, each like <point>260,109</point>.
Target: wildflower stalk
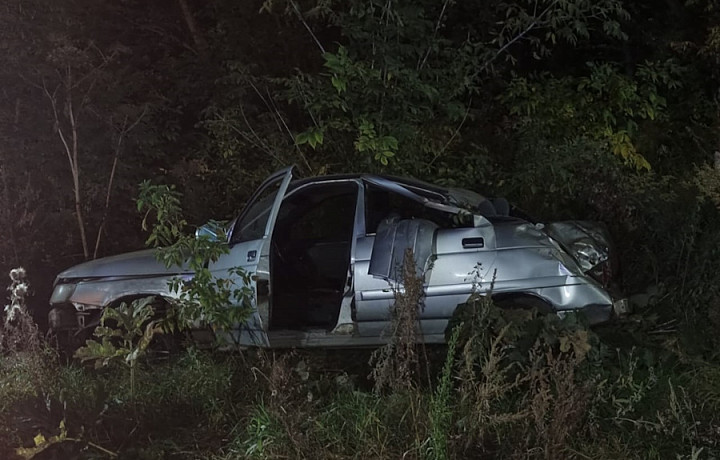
<point>18,291</point>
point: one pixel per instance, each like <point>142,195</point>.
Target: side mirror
<point>212,230</point>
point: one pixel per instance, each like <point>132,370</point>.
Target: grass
<point>525,386</point>
<point>261,405</point>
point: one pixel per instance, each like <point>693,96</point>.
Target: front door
<point>249,241</point>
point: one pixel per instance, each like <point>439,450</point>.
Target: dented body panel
<point>83,290</point>
<point>325,253</point>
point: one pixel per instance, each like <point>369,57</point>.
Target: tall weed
<point>396,365</point>
<point>442,408</point>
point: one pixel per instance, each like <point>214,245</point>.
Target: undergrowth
<point>509,384</point>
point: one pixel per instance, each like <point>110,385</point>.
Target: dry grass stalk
<point>485,383</point>
<point>395,366</point>
<point>557,402</point>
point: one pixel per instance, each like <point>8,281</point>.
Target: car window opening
<point>253,222</point>
<point>381,204</point>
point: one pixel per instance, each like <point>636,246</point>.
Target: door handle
<point>473,243</point>
<point>251,255</point>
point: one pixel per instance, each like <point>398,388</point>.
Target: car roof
<point>448,193</point>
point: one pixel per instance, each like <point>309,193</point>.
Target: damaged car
<point>325,255</point>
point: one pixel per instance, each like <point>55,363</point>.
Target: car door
<point>445,255</point>
<point>249,241</point>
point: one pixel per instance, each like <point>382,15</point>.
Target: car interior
<point>310,255</point>
<point>381,204</point>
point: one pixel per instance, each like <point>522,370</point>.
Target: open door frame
<point>253,257</point>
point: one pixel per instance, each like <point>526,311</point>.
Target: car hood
<point>586,241</point>
<point>138,263</point>
<point>512,233</point>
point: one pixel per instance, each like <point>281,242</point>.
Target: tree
<point>404,80</point>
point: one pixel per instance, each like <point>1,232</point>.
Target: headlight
<point>62,293</point>
<point>587,254</point>
<point>602,273</point>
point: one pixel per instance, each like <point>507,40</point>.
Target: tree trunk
<point>197,37</point>
<point>71,149</point>
<point>75,167</point>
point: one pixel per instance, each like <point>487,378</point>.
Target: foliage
<point>133,327</point>
<point>357,418</point>
<point>441,403</point>
<point>219,303</point>
<point>399,87</point>
<point>207,405</point>
<point>262,432</point>
<point>605,105</point>
<point>708,182</point>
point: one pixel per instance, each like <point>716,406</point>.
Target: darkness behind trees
<point>572,109</point>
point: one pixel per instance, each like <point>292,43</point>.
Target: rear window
<point>381,203</point>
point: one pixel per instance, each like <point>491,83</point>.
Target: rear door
<point>410,220</point>
<point>249,240</point>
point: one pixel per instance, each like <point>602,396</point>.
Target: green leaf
<point>339,84</point>
<point>302,138</point>
<point>319,137</point>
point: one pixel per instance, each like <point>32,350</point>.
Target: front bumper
<point>62,319</point>
<point>69,318</point>
<point>599,314</point>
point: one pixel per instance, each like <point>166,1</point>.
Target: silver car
<point>325,252</point>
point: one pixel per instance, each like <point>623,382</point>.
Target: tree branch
<point>118,149</point>
<point>530,27</point>
<point>454,134</point>
<point>437,27</point>
<point>76,171</point>
<point>304,23</point>
<point>292,138</point>
<point>197,37</point>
